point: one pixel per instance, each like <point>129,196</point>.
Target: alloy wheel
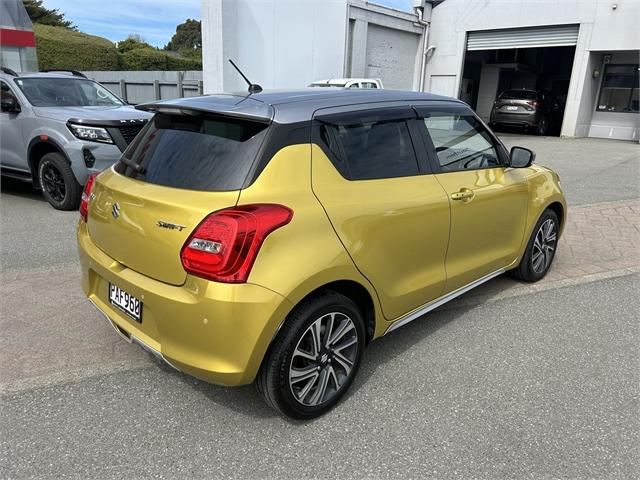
<point>323,359</point>
<point>544,246</point>
<point>53,182</point>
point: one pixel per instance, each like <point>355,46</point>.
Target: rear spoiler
<point>224,105</point>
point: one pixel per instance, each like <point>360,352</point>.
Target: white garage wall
<point>277,43</point>
<point>443,85</point>
<point>391,55</point>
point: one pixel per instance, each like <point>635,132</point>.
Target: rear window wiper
<point>131,164</point>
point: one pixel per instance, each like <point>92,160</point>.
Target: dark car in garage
<point>533,110</point>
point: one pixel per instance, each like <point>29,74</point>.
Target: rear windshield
<point>194,152</point>
<point>519,95</point>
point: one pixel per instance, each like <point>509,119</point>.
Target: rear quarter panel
<point>305,254</point>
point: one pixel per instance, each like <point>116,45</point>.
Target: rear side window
<point>194,152</point>
<point>372,148</point>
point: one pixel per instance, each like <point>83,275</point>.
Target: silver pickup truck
<point>56,128</point>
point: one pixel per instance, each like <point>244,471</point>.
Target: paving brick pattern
<point>599,238</point>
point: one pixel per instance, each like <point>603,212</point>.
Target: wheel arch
<point>558,209</point>
<point>355,292</point>
<point>39,147</point>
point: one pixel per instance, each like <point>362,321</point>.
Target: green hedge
<point>152,59</point>
<point>60,47</point>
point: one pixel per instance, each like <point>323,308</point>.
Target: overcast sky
<point>155,20</point>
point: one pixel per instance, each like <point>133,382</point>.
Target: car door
<point>371,175</point>
<point>488,200</point>
<point>14,150</point>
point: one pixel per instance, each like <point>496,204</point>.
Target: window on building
<point>461,143</point>
<point>619,92</point>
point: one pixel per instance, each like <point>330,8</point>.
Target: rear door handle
<point>463,194</point>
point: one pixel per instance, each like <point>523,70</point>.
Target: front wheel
<point>315,357</point>
<point>59,185</point>
<point>541,249</point>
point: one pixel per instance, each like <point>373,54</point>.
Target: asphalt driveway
<point>509,381</point>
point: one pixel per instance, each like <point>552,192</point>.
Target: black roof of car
<point>290,106</point>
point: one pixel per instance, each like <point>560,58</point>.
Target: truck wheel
<point>59,185</point>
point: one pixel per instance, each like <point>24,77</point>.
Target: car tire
<point>59,185</point>
<point>542,127</point>
<point>541,249</point>
<point>302,379</point>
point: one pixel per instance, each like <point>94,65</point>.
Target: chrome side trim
<point>132,338</point>
<point>417,313</point>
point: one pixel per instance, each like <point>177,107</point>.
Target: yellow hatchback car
<point>270,237</point>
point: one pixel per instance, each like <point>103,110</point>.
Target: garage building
<point>585,53</point>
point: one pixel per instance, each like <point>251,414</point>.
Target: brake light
<point>86,196</point>
<point>226,243</point>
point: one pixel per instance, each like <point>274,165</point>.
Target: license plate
<point>512,107</point>
<point>125,302</point>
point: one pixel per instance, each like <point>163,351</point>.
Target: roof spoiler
<point>262,115</point>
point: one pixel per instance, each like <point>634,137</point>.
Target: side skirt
<point>417,313</point>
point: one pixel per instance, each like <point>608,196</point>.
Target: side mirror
<point>521,157</point>
<point>9,104</point>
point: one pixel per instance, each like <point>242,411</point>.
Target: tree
<point>188,36</point>
<point>45,16</point>
<point>131,43</point>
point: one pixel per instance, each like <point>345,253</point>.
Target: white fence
<point>145,86</point>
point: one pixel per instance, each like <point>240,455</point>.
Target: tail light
<point>86,197</point>
<point>533,103</point>
<point>226,243</point>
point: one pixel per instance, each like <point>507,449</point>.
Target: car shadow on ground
<point>11,186</point>
<point>247,401</point>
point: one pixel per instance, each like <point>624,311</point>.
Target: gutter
<point>426,24</point>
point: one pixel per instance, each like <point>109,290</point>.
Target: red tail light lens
<point>86,197</point>
<point>226,243</point>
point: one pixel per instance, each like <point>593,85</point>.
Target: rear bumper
<point>514,119</point>
<point>213,331</point>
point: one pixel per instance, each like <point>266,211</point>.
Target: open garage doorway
<point>525,80</point>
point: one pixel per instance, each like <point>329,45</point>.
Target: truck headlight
<point>93,134</point>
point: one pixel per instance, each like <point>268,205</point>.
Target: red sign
<point>17,38</point>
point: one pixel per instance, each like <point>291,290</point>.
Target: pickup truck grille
<point>130,132</point>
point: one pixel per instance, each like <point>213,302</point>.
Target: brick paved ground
<point>600,241</point>
<point>599,238</point>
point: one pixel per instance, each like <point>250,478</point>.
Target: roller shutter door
<point>553,36</point>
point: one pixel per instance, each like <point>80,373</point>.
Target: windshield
<point>66,92</point>
<point>519,95</point>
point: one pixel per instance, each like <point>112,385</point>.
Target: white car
<point>348,83</point>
